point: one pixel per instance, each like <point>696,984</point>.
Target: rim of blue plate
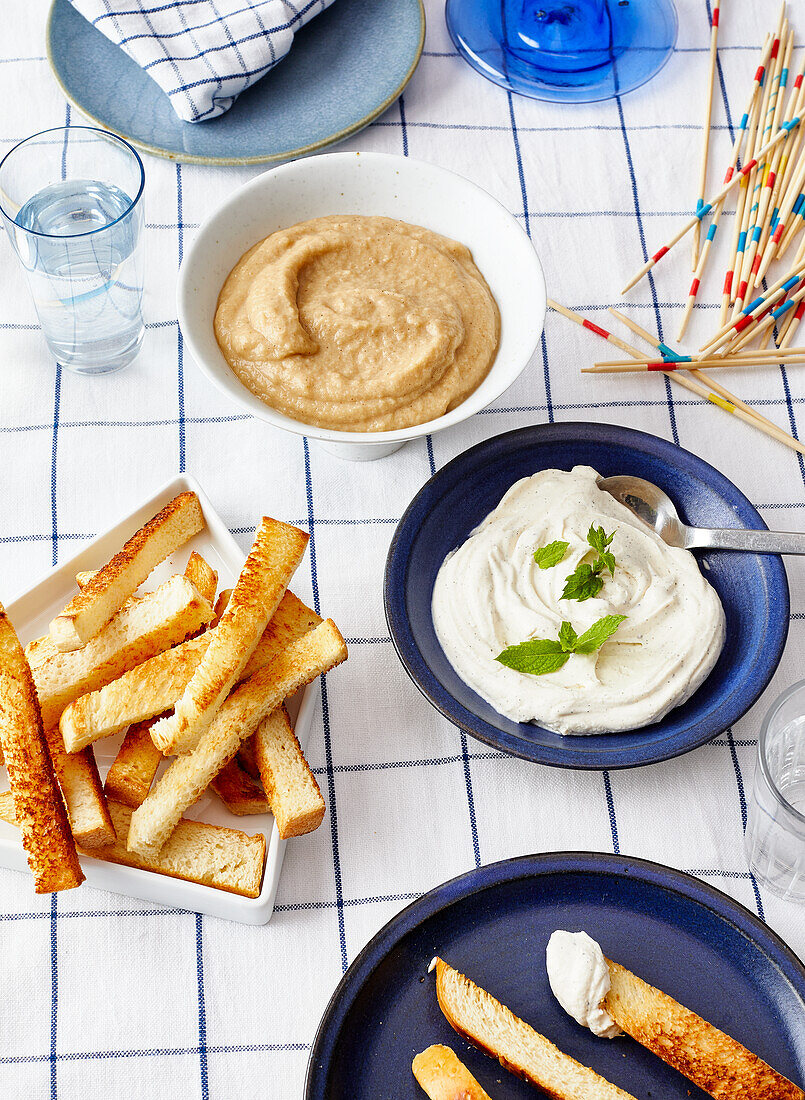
<point>564,755</point>
<point>224,162</point>
<point>507,870</point>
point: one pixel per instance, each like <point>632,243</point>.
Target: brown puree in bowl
<point>360,324</point>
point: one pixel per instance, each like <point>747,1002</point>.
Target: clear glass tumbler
<point>775,829</point>
<point>71,203</point>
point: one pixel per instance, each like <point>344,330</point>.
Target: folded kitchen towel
<point>202,53</point>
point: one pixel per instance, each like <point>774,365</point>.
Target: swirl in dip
<point>490,594</point>
<point>358,323</point>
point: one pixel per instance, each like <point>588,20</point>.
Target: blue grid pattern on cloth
<point>83,973</point>
<point>202,53</point>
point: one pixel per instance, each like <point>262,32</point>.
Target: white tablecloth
<point>101,996</point>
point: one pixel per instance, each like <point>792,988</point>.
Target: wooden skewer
<point>718,389</point>
<point>770,319</point>
<point>711,80</point>
<point>708,206</point>
<point>577,319</point>
<point>747,125</point>
<point>620,366</point>
<point>750,314</point>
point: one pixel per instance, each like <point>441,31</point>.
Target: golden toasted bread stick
<point>289,784</point>
<point>201,574</point>
<point>276,552</point>
<point>241,794</point>
<point>492,1027</point>
<point>188,776</point>
<point>443,1076</point>
<point>37,801</point>
<point>133,769</point>
<point>155,685</point>
<point>83,579</point>
<point>706,1056</point>
<point>105,594</point>
<point>82,790</point>
<point>145,627</point>
<point>209,855</point>
<point>144,692</point>
<point>224,596</point>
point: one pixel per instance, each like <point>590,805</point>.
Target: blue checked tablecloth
<point>102,996</point>
<point>202,53</point>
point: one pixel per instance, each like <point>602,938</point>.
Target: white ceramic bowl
<point>366,183</point>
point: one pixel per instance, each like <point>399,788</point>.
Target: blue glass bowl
<point>752,587</point>
<point>493,924</point>
<point>567,51</point>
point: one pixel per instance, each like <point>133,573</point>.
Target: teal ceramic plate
<point>345,68</point>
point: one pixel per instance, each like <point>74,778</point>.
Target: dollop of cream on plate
<point>579,978</point>
<point>490,594</point>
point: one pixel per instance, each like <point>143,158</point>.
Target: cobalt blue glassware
<point>752,587</point>
<point>493,924</point>
<point>570,51</point>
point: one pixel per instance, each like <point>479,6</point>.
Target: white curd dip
<point>490,594</point>
<point>579,978</point>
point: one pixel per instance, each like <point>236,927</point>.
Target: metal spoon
<point>651,505</point>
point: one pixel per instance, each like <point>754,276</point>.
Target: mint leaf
<point>608,560</point>
<point>567,637</point>
<point>599,539</point>
<point>599,632</point>
<point>548,556</point>
<point>583,584</point>
<point>536,657</point>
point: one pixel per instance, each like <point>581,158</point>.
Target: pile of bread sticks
<point>186,676</point>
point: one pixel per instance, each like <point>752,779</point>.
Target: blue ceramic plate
<point>493,924</point>
<point>345,68</point>
<point>752,587</point>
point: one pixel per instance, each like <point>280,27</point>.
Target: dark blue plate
<point>752,587</point>
<point>493,924</point>
<point>344,69</point>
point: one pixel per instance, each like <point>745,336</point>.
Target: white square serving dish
<point>31,614</point>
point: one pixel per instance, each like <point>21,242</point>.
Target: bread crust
<point>37,801</point>
<point>83,793</point>
<point>495,1030</point>
<point>142,629</point>
<point>708,1057</point>
<point>97,601</point>
<point>290,786</point>
<point>443,1076</point>
<point>275,554</point>
<point>154,686</point>
<point>188,776</point>
<point>202,576</point>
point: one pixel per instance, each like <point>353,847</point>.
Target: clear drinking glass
<point>775,829</point>
<point>71,203</point>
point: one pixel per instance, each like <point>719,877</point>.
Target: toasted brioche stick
<point>240,793</point>
<point>37,801</point>
<point>182,784</point>
<point>145,627</point>
<point>133,769</point>
<point>276,552</point>
<point>706,1056</point>
<point>82,791</point>
<point>221,603</point>
<point>518,1047</point>
<point>443,1077</point>
<point>154,686</point>
<point>203,576</point>
<point>98,601</point>
<point>197,852</point>
<point>144,692</point>
<point>289,784</point>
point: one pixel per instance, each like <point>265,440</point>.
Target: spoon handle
<point>758,542</point>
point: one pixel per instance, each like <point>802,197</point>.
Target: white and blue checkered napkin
<point>202,53</point>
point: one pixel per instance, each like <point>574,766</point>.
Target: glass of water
<point>71,203</point>
<point>775,829</point>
